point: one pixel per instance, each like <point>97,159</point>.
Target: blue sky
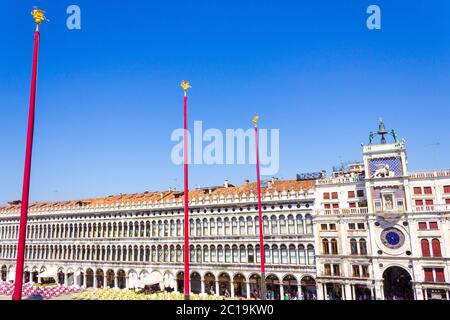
<point>109,96</point>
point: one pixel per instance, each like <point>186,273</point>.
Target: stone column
<point>425,294</point>
<point>320,291</point>
<point>217,288</point>
<point>299,292</point>
<point>353,292</point>
<point>281,292</point>
<point>232,288</point>
<point>247,284</point>
<point>348,291</point>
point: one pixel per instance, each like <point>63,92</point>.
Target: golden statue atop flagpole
<point>185,85</point>
<point>255,121</point>
<point>38,16</point>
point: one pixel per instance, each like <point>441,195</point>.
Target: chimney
<point>225,183</point>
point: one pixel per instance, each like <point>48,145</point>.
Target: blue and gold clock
<point>392,238</point>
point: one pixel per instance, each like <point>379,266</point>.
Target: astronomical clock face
<point>392,238</point>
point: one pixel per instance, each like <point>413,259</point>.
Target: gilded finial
<point>255,121</point>
<point>185,85</point>
<point>38,16</point>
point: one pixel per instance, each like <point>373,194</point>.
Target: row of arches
<point>239,226</point>
<point>216,283</point>
<point>284,253</point>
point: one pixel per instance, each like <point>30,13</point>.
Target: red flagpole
<point>185,85</point>
<point>27,171</point>
<point>261,229</point>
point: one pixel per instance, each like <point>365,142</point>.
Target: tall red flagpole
<point>38,16</point>
<point>261,235</point>
<point>185,85</point>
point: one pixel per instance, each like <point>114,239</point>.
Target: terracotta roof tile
<point>122,199</point>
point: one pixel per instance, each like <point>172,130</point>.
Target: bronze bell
<point>382,131</point>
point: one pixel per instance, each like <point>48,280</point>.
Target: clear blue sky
<point>109,95</point>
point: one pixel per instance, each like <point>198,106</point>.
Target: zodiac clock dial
<point>392,238</point>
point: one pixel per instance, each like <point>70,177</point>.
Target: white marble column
<point>348,291</point>
<point>232,289</point>
<point>281,292</point>
<point>217,289</point>
<point>247,284</point>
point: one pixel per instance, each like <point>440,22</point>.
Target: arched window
<point>250,254</point>
<point>205,254</point>
<point>213,254</point>
<point>241,226</point>
<point>192,253</point>
<point>141,229</point>
<point>275,254</point>
<point>292,254</point>
<point>147,229</point>
<point>325,247</point>
<point>425,247</point>
<point>334,246</point>
<point>311,255</point>
<point>267,254</point>
<point>179,233</point>
<point>219,253</point>
<point>243,253</point>
<point>172,228</point>
<point>212,227</point>
<point>362,247</point>
<point>257,253</point>
<point>235,254</point>
<point>179,254</point>
<point>172,253</point>
<point>234,226</point>
<point>227,254</point>
<point>160,231</point>
<point>309,227</point>
<point>353,246</point>
<point>154,229</point>
<point>227,226</point>
<point>291,224</point>
<point>199,254</point>
<point>219,227</point>
<point>282,225</point>
<point>130,230</point>
<point>284,255</point>
<point>265,225</point>
<point>436,246</point>
<point>198,227</point>
<point>191,228</point>
<point>166,228</point>
<point>205,227</point>
<point>274,224</point>
<point>300,228</point>
<point>250,226</point>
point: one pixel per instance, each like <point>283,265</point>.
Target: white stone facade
<point>374,231</point>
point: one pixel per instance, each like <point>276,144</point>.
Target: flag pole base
<point>186,297</point>
<point>263,286</point>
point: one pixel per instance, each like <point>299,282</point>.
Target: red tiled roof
<point>246,189</point>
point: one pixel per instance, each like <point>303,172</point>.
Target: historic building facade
<point>382,232</point>
<point>130,240</point>
<point>370,231</point>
